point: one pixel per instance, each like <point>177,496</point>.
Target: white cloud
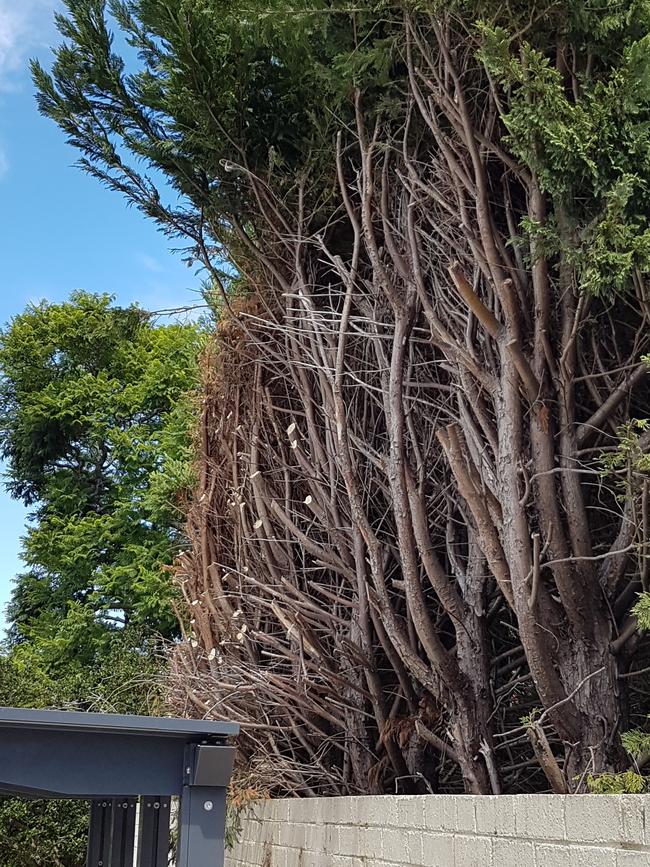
<point>25,26</point>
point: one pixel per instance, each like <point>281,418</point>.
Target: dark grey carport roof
<point>56,720</point>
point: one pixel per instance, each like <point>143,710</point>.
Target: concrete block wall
<point>448,831</point>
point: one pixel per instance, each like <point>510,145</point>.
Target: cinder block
<point>255,853</point>
<point>326,809</point>
<point>332,838</point>
<point>393,845</point>
<point>565,855</point>
<point>413,842</point>
<point>271,809</point>
<point>340,861</point>
<point>465,813</point>
<point>370,844</point>
<point>346,809</point>
<point>282,856</point>
<point>288,834</point>
<point>646,820</point>
<point>253,826</point>
<point>384,864</point>
<point>633,819</point>
<point>314,837</point>
<point>633,859</point>
<point>437,850</point>
<point>272,831</point>
<point>495,815</point>
<point>302,809</point>
<point>547,855</point>
<point>439,813</point>
<point>593,856</point>
<point>363,811</point>
<point>311,859</point>
<point>512,853</point>
<point>540,817</point>
<point>381,811</point>
<point>472,852</point>
<point>348,841</point>
<point>409,811</point>
<point>594,819</point>
<point>300,836</point>
<point>447,831</point>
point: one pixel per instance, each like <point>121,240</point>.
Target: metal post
<point>153,836</point>
<point>202,824</point>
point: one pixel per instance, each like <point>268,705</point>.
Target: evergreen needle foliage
<point>94,418</point>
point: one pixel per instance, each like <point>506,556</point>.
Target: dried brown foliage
<point>402,538</point>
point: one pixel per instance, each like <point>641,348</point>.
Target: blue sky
<point>59,229</point>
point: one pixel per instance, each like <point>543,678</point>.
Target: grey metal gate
<point>115,761</point>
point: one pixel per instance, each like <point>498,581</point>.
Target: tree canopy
<point>94,408</point>
<point>423,494</point>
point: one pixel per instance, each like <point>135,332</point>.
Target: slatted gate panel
<point>124,811</point>
<point>154,832</point>
<point>111,841</point>
<point>99,838</point>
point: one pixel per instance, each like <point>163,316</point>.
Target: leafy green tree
<point>37,833</point>
<point>95,408</point>
<point>94,417</point>
<point>124,679</point>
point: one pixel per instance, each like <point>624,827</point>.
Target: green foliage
<point>531,718</point>
<point>589,145</point>
<point>39,833</point>
<point>637,743</point>
<point>95,418</point>
<point>234,825</point>
<point>627,783</point>
<point>95,411</point>
<point>207,91</point>
<point>642,611</point>
<point>630,782</point>
<point>206,87</point>
<point>123,680</point>
<point>630,460</point>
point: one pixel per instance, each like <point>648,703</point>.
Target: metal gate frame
<point>116,761</point>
